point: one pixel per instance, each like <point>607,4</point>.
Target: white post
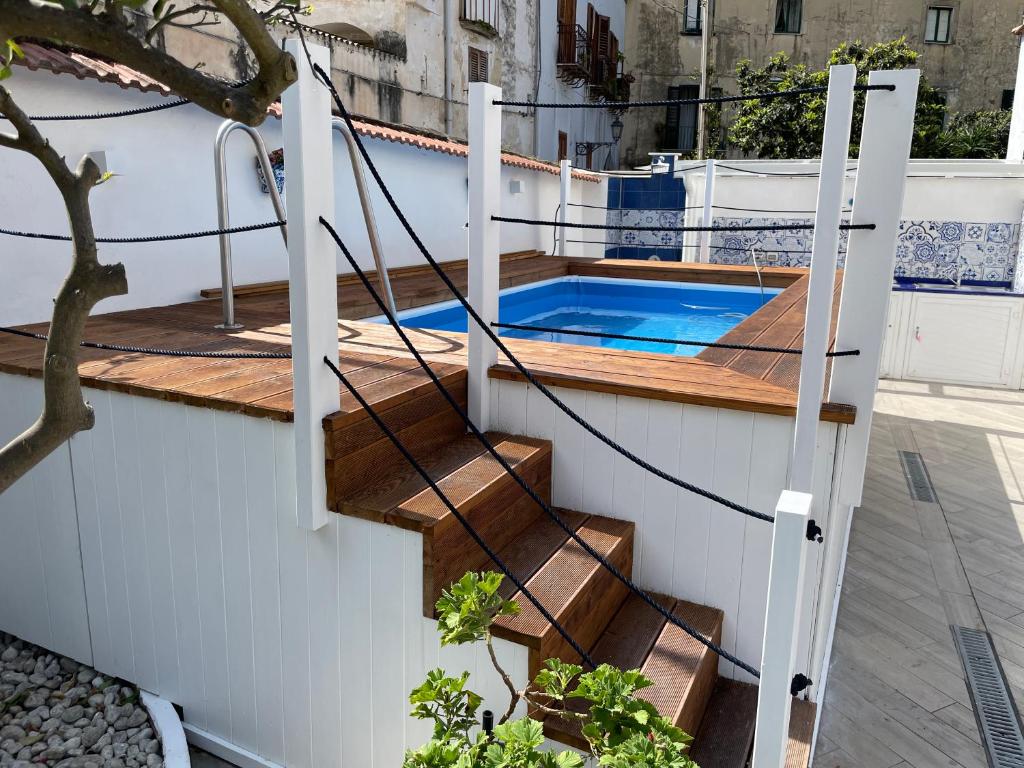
<point>870,260</point>
<point>564,196</point>
<point>835,150</point>
<point>484,240</point>
<point>312,276</point>
<point>709,208</point>
<point>1015,147</point>
<point>782,619</point>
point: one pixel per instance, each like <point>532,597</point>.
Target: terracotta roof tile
<point>39,57</point>
<point>81,66</point>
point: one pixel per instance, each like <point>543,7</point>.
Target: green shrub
<point>621,730</point>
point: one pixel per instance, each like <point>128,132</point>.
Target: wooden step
<point>574,588</point>
<point>726,736</point>
<point>480,489</point>
<point>359,454</point>
<point>682,669</point>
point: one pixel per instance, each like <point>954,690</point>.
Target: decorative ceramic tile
<point>935,249</point>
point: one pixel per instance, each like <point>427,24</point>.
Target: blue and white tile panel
<point>974,250</point>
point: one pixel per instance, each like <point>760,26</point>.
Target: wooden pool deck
<point>384,370</point>
<point>896,696</point>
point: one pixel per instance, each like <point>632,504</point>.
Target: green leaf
<point>468,607</point>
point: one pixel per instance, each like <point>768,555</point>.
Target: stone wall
<point>972,70</point>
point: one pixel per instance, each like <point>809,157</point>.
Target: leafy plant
<point>981,134</point>
<point>622,730</point>
<point>793,127</point>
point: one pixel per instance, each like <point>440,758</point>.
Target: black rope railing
<point>510,470</point>
<point>150,238</point>
<point>467,526</point>
<point>699,228</point>
<point>496,340</point>
<point>661,340</point>
<point>765,96</point>
<point>117,113</point>
<point>677,246</point>
<point>695,208</point>
<point>157,350</point>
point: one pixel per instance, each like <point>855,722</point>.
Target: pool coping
<point>745,381</point>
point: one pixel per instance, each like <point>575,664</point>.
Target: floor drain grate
<point>918,481</point>
<point>994,709</point>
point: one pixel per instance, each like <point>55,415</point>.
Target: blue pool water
<point>690,311</point>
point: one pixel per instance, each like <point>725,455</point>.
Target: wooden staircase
<point>369,479</point>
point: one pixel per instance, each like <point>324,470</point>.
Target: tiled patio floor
<point>896,694</point>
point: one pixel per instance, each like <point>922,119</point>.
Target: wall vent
<point>998,721</point>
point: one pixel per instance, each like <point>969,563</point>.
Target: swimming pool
<point>693,311</point>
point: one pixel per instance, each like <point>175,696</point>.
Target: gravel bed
<point>57,712</point>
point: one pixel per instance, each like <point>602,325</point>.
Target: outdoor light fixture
<point>586,147</point>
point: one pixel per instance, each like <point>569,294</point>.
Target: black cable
<point>118,113</point>
<point>520,481</point>
<point>771,173</point>
<point>493,337</point>
<point>673,102</point>
<point>657,340</point>
<point>158,351</point>
<point>150,238</point>
<point>711,228</point>
<point>758,210</point>
<point>458,515</point>
<point>682,245</point>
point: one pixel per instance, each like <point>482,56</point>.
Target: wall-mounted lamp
<point>586,147</point>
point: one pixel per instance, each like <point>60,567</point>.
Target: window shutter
<point>591,38</point>
<point>603,47</point>
<point>478,66</point>
<point>671,137</point>
<point>613,56</point>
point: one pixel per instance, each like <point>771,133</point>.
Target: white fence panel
<point>298,646</point>
<point>42,594</point>
<point>685,545</point>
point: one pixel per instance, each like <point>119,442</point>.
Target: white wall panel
<point>300,647</point>
<point>686,545</point>
<point>42,594</point>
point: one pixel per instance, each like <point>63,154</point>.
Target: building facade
<point>967,51</point>
<point>410,62</point>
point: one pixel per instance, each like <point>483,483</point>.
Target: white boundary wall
<point>164,163</point>
<point>298,646</point>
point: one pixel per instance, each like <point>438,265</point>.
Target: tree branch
<point>85,29</point>
<point>64,410</point>
<point>514,695</point>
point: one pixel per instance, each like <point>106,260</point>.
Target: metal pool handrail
<point>338,124</point>
<point>221,171</point>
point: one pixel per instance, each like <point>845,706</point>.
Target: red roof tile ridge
<point>59,61</point>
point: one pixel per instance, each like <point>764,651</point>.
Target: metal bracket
<point>800,683</point>
<point>814,531</point>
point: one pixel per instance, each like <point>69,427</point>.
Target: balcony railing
<point>481,14</point>
<point>573,54</point>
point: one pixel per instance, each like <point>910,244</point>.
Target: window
<point>788,16</point>
<point>692,17</point>
<point>599,37</point>
<point>681,119</point>
<point>567,32</point>
<point>478,69</point>
<point>1007,101</point>
<point>939,25</point>
<point>563,145</point>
